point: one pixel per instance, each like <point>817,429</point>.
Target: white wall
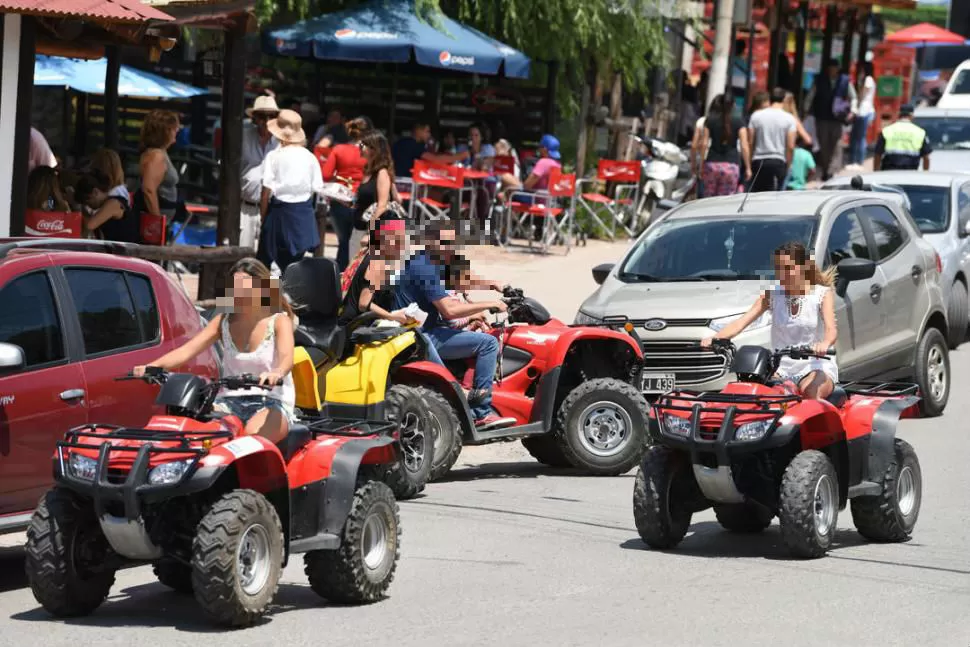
<point>8,114</point>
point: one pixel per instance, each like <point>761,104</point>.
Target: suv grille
<point>690,363</point>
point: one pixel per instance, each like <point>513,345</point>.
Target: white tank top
<point>804,328</point>
<point>260,360</point>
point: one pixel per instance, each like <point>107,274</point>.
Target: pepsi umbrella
<point>389,31</point>
<point>88,77</point>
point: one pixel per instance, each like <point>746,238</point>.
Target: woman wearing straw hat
<point>291,178</point>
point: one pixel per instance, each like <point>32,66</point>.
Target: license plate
<point>657,382</point>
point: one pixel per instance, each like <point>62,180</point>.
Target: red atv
<point>570,389</point>
<point>758,449</point>
<point>217,512</point>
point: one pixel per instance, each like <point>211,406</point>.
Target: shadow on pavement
<point>512,470</point>
<point>154,605</point>
<point>12,575</point>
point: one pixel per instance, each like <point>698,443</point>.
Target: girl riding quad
<point>802,308</point>
<point>257,339</point>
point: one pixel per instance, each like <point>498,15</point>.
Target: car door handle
<point>875,292</point>
<point>72,394</point>
<point>917,272</point>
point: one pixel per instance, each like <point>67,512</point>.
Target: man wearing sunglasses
<point>257,143</point>
<point>422,283</point>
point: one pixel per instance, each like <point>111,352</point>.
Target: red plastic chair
<point>442,176</point>
<point>625,176</point>
<point>556,209</point>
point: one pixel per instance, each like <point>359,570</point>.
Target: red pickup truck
<point>72,321</point>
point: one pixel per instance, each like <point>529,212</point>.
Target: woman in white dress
<point>802,308</point>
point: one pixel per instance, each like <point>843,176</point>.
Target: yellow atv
<point>341,371</point>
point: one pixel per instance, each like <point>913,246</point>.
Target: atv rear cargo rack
<point>347,427</point>
<point>881,389</point>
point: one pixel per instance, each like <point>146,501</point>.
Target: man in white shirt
<point>40,152</point>
<point>257,143</point>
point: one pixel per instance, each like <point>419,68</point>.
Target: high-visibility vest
<point>904,138</point>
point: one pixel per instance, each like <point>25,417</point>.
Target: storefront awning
<point>121,11</point>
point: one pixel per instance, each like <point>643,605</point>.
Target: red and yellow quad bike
<point>217,512</point>
<point>759,449</point>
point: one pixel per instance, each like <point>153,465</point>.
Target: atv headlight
<point>168,473</point>
<point>676,424</point>
<point>717,325</point>
<point>583,319</point>
<point>83,467</point>
<point>752,430</point>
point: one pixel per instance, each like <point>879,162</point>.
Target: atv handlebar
<point>795,352</point>
<point>156,375</point>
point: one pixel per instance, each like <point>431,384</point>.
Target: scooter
<point>665,180</point>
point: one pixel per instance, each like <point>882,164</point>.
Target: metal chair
<point>555,207</point>
<point>426,175</point>
<point>625,178</point>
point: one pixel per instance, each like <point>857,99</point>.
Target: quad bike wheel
<point>601,427</point>
<point>957,314</point>
<point>408,406</point>
<point>659,512</point>
<point>66,553</point>
<point>547,450</point>
<point>933,372</point>
<point>173,574</point>
<point>237,558</point>
<point>809,504</point>
<point>891,515</point>
<point>361,570</point>
<point>446,431</point>
<point>743,517</point>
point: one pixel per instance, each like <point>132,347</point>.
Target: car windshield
<point>946,133</point>
<point>714,249</point>
<point>929,206</point>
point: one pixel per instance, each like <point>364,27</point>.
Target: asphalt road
<point>509,553</point>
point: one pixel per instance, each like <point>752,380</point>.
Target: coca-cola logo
<point>435,174</point>
<point>50,225</point>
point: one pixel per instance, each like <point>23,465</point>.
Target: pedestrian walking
<point>257,143</point>
<point>291,178</point>
<point>345,163</point>
<point>773,132</point>
<point>863,110</point>
<point>725,134</point>
<point>830,103</point>
<point>902,144</point>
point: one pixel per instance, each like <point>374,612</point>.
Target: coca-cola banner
<point>53,224</point>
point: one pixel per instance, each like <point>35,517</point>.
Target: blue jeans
<point>343,224</point>
<point>462,344</point>
<point>857,139</point>
<point>432,351</point>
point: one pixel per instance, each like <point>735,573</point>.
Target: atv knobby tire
<point>594,415</point>
<point>809,484</point>
<point>881,517</point>
<point>446,431</point>
<point>547,450</point>
<point>223,544</point>
<point>64,587</point>
<point>173,574</point>
<point>661,518</point>
<point>408,406</point>
<point>346,575</point>
<point>743,517</point>
<point>932,344</point>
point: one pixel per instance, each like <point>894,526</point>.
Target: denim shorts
<point>245,407</point>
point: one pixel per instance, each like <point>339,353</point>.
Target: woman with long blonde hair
<point>802,308</point>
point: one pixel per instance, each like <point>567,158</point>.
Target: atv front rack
<point>698,403</point>
<point>881,389</point>
<point>117,432</point>
<point>348,427</point>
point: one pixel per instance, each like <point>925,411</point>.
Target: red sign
<point>152,229</point>
<point>560,185</point>
<point>441,175</point>
<point>504,164</point>
<point>53,224</point>
<point>497,100</point>
<point>615,171</point>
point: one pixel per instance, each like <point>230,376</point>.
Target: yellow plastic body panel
<point>306,382</point>
<point>361,379</point>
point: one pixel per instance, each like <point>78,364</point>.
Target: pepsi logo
<point>446,58</point>
<point>344,33</point>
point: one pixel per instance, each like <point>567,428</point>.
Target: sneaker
<point>493,421</point>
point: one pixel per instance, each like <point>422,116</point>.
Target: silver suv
<point>703,264</point>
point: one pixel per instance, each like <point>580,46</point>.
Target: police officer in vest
<point>901,145</point>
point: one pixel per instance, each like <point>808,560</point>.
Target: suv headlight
<point>752,430</point>
<point>676,425</point>
<point>717,325</point>
<point>82,467</point>
<point>583,319</point>
<point>168,473</point>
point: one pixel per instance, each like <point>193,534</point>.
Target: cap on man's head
<point>551,144</point>
<point>906,110</point>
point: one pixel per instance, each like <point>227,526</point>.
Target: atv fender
<point>438,378</point>
<point>571,336</point>
<point>883,438</point>
<point>258,463</point>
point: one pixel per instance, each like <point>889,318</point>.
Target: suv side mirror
<point>853,269</point>
<point>601,271</point>
<point>11,358</point>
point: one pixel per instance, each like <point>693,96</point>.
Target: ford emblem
<point>654,324</point>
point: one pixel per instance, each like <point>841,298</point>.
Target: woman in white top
<point>257,339</point>
<point>291,179</point>
<point>863,111</point>
<point>802,308</point>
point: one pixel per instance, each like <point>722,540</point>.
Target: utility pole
<point>723,57</point>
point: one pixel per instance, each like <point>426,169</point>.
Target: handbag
<point>841,104</point>
<point>338,192</point>
<point>393,206</point>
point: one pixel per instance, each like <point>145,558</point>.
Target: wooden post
<point>776,44</point>
<point>233,100</point>
<point>582,130</point>
<point>21,136</point>
<point>111,77</point>
<point>798,75</point>
<point>831,17</point>
<point>616,111</point>
<point>863,38</point>
<point>847,42</point>
<point>549,120</point>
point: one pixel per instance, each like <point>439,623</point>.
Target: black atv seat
<point>838,397</point>
<point>313,287</point>
<point>297,438</point>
